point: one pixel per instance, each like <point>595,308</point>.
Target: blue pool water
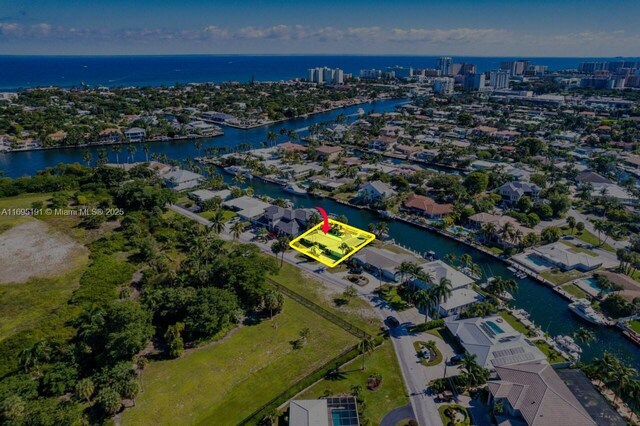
<point>536,261</point>
<point>495,327</point>
<point>593,283</point>
<point>342,417</point>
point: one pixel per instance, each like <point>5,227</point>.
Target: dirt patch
<point>32,249</point>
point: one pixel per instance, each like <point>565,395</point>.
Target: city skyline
<point>495,28</point>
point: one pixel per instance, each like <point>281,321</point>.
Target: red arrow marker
<point>325,225</point>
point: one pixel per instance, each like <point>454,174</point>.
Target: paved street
<point>416,376</point>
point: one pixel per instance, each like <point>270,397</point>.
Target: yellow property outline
<point>318,229</point>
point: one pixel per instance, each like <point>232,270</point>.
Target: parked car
<point>456,359</point>
<point>392,321</point>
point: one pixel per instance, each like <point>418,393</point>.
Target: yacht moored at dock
<point>583,308</point>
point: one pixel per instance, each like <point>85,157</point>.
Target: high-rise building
<point>401,72</point>
<point>474,81</point>
<point>338,76</point>
<point>443,85</point>
<point>444,64</point>
<point>326,75</point>
<point>515,67</point>
<point>499,79</point>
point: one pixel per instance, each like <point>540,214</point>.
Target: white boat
<point>292,188</point>
<point>569,345</point>
<point>505,295</point>
<point>583,308</point>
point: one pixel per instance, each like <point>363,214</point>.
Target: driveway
<point>395,416</point>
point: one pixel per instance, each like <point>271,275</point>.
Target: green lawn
<point>635,325</point>
<point>444,334</point>
<point>544,347</point>
<point>576,291</point>
<point>559,277</point>
<point>224,382</point>
<point>390,395</point>
<point>446,420</point>
<point>227,214</point>
<point>427,363</point>
<point>513,322</point>
<point>358,312</point>
<point>589,238</point>
<point>390,295</point>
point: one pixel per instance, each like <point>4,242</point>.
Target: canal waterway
<point>546,308</point>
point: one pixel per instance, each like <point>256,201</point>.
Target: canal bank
<point>547,308</point>
<point>27,163</point>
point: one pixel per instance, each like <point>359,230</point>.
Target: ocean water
<point>18,72</point>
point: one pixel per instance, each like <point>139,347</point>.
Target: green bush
<point>99,282</point>
<point>427,326</point>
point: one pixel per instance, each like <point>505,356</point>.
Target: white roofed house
<point>462,295</point>
<point>285,220</point>
<point>511,192</point>
<point>248,208</point>
<point>375,191</point>
<point>180,179</point>
<point>494,342</point>
<point>560,255</point>
<point>135,134</point>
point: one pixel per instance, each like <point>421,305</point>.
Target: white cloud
<point>303,38</point>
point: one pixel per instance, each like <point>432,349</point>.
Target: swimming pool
<point>494,327</point>
<point>344,418</point>
<point>593,283</point>
<point>536,260</point>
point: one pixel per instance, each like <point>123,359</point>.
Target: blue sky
<point>463,27</point>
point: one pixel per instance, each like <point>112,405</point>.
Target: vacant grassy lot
<point>29,304</point>
<point>575,291</point>
<point>635,325</point>
<point>559,277</point>
<point>224,382</point>
<point>552,356</point>
<point>7,221</point>
<point>358,311</point>
<point>589,238</point>
<point>227,214</point>
<point>391,394</point>
<point>513,322</point>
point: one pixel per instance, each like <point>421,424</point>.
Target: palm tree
<point>239,178</point>
<point>381,229</point>
<point>405,268</point>
<point>571,222</point>
<point>272,137</point>
<point>476,375</point>
<point>442,291</point>
<point>216,223</point>
<point>366,346</point>
<point>262,234</point>
<point>131,149</point>
<point>86,156</point>
<point>583,335</point>
<point>146,148</point>
<point>506,232</point>
<point>85,389</point>
<point>236,230</point>
<point>116,149</point>
<point>489,231</point>
<point>346,249</point>
<point>426,300</point>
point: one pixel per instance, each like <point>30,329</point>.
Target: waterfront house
<point>247,208</point>
<point>382,143</point>
<point>615,191</point>
<point>110,135</point>
<point>533,393</point>
<point>494,342</point>
<point>290,146</point>
<point>559,255</point>
<point>479,220</point>
<point>328,152</point>
<point>203,128</point>
<point>285,221</point>
<point>459,301</point>
<point>180,179</point>
<point>58,136</point>
<point>427,207</point>
<point>511,192</point>
<point>375,191</point>
<point>135,134</point>
<point>204,194</point>
<point>381,261</point>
